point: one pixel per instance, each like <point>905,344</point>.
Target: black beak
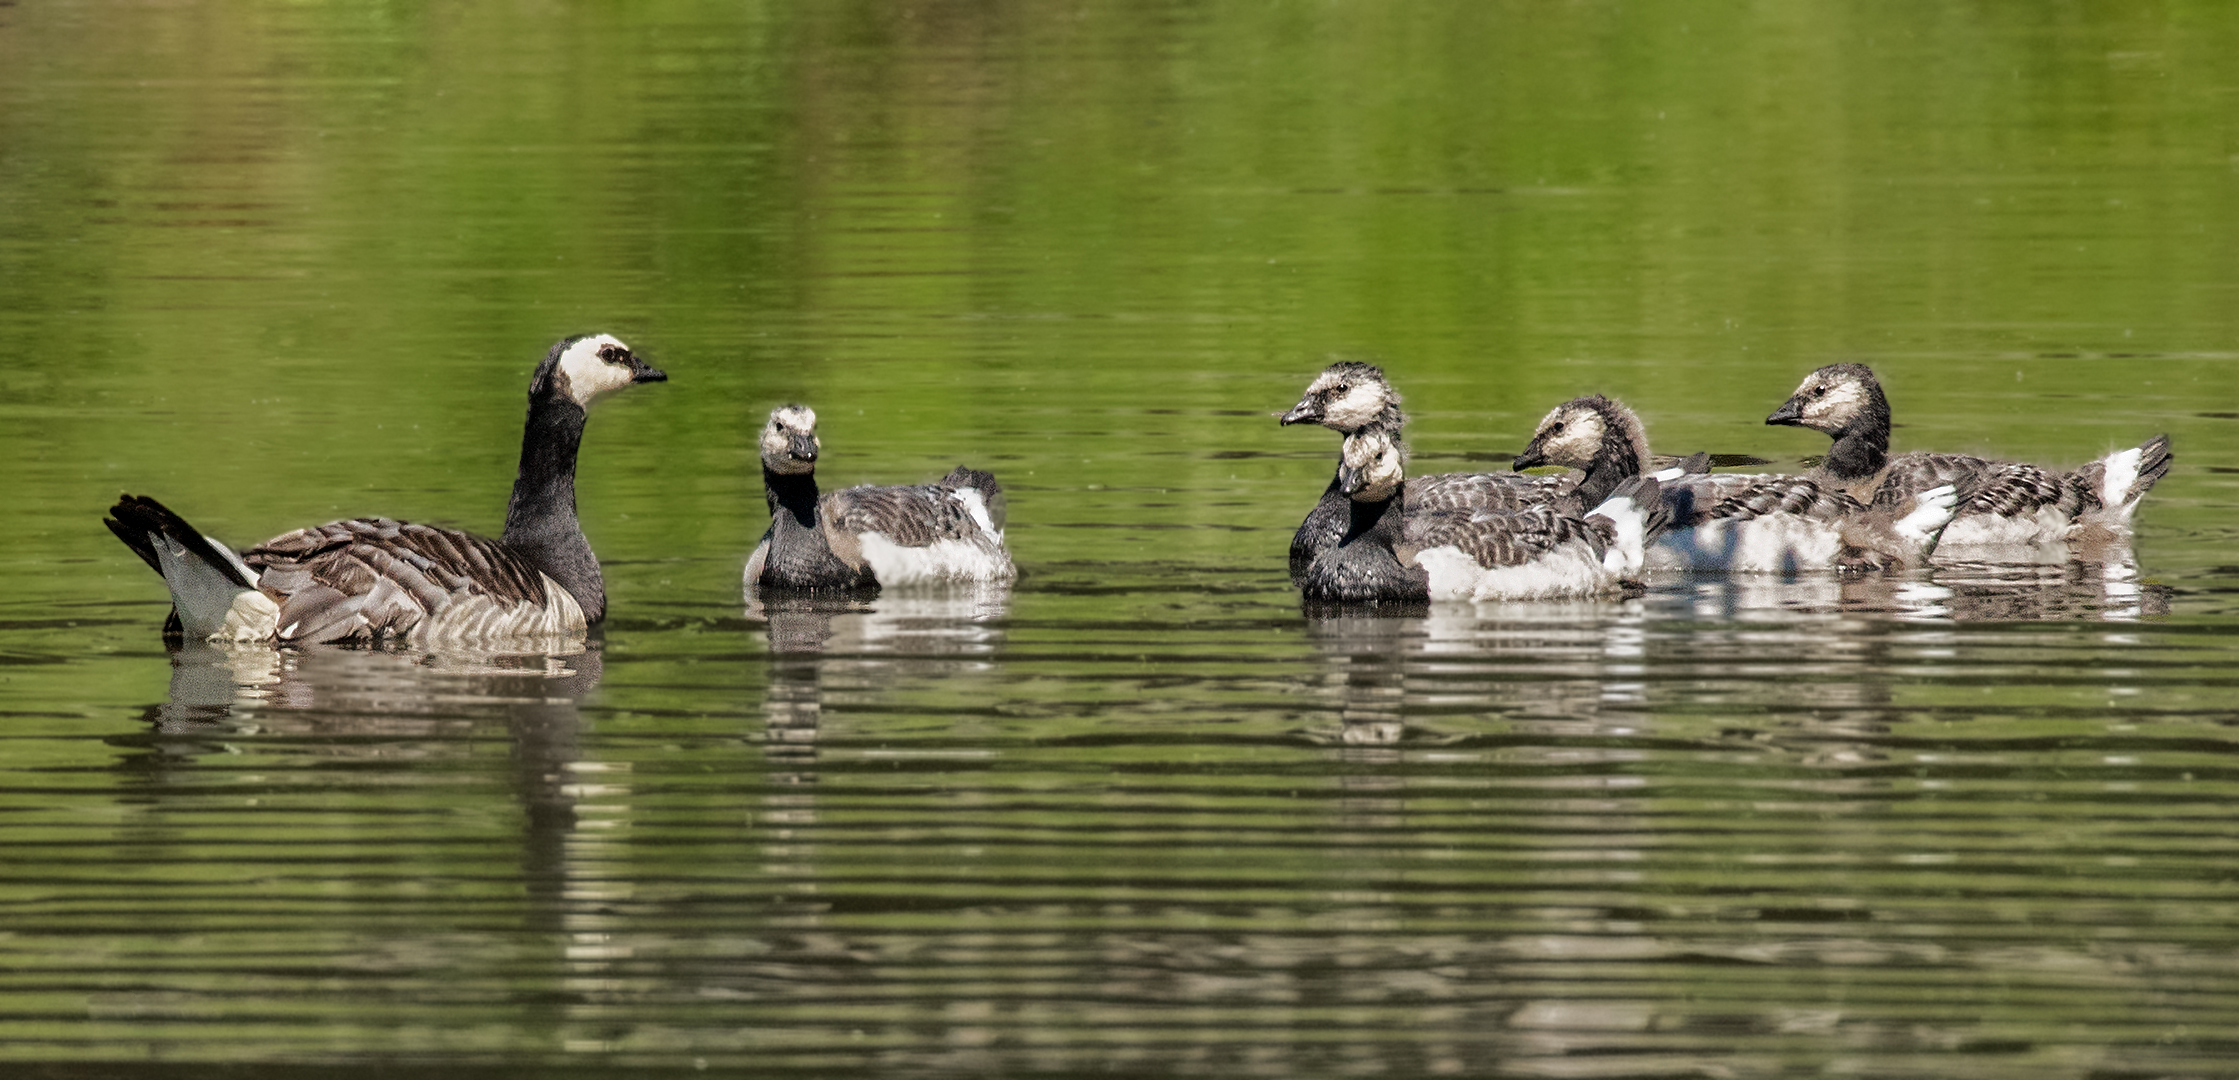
<point>640,371</point>
<point>1307,411</point>
<point>801,447</point>
<point>1532,456</point>
<point>1791,413</point>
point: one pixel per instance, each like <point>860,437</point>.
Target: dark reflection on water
<point>1728,827</point>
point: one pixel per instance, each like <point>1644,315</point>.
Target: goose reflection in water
<point>1569,667</point>
<point>861,649</point>
<point>395,709</point>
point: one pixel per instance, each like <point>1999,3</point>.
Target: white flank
<point>1773,544</point>
<point>473,619</point>
<point>1625,555</point>
<point>755,562</point>
<point>1666,476</point>
<point>941,560</point>
<point>251,617</point>
<point>1570,570</point>
<point>1932,510</point>
<point>2122,472</point>
<point>2047,525</point>
<point>976,505</point>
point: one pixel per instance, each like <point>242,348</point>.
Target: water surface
<point>1143,813</point>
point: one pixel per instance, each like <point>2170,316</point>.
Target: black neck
<point>1368,515</point>
<point>795,492</point>
<point>1614,463</point>
<point>540,521</point>
<point>1859,451</point>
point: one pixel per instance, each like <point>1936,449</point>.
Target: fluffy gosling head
<point>1348,396</point>
<point>1578,431</point>
<point>789,442</point>
<point>1372,466</point>
<point>583,367</point>
<point>1834,399</point>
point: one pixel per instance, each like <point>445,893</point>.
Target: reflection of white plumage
<point>2003,504</point>
<point>375,579</point>
<point>1389,554</point>
<point>865,537</point>
<point>1739,522</point>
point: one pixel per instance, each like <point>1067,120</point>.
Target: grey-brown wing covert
<point>1997,488</point>
<point>1505,538</point>
<point>917,515</point>
<point>367,578</point>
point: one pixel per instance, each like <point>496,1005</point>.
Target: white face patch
<point>1356,409</point>
<point>786,422</point>
<point>1577,442</point>
<point>587,376</point>
<point>1833,409</point>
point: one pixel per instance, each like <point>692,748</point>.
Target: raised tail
<point>213,593</point>
<point>991,494</point>
<point>1636,514</point>
<point>2116,482</point>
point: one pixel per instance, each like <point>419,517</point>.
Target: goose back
<point>376,579</point>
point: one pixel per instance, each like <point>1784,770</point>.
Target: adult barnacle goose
<point>1738,522</point>
<point>372,579</point>
<point>1536,552</point>
<point>1349,396</point>
<point>2002,504</point>
<point>861,538</point>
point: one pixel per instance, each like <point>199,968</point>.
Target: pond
<point>1143,813</point>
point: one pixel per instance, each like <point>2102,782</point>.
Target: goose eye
<point>1557,429</point>
<point>1819,391</point>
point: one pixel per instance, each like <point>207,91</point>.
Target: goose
<point>373,579</point>
<point>1738,521</point>
<point>860,538</point>
<point>1537,552</point>
<point>2004,503</point>
<point>1350,396</point>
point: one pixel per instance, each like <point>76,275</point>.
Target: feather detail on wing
<point>373,578</point>
<point>2009,489</point>
<point>916,515</point>
<point>1695,499</point>
<point>1495,539</point>
<point>1484,491</point>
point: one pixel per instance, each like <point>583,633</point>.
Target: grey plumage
<point>1389,554</point>
<point>376,579</point>
<point>1737,521</point>
<point>1999,501</point>
<point>1350,396</point>
<point>862,538</point>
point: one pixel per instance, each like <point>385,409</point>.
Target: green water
<point>275,264</point>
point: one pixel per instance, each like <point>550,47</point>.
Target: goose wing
<point>1496,539</point>
<point>1484,491</point>
<point>370,578</point>
<point>918,515</point>
<point>1696,499</point>
<point>1994,488</point>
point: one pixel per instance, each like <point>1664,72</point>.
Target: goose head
<point>789,442</point>
<point>1372,466</point>
<point>1836,399</point>
<point>1348,396</point>
<point>1586,431</point>
<point>582,367</point>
